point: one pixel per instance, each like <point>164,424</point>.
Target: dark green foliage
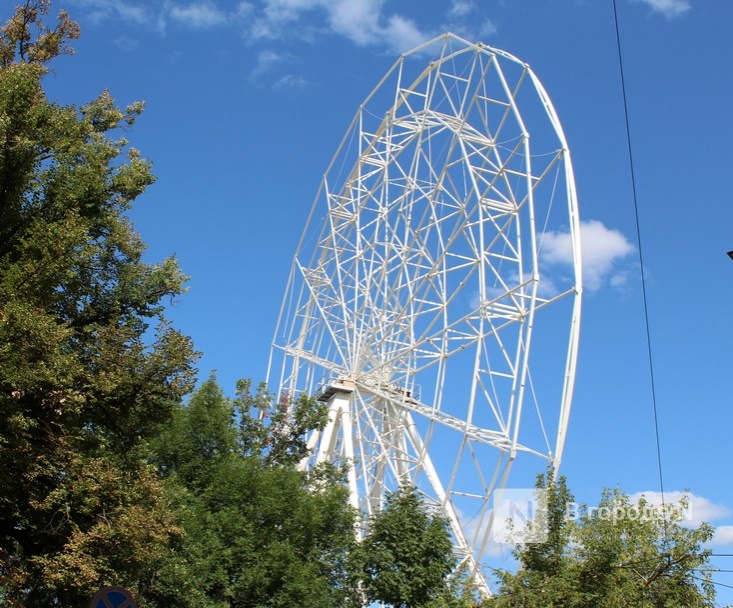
<point>406,557</point>
<point>257,531</point>
<point>276,431</point>
<point>621,553</point>
<point>80,385</point>
<point>199,437</point>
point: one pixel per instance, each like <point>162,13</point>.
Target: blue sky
<point>247,102</point>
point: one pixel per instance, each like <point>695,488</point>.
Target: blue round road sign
<point>113,597</point>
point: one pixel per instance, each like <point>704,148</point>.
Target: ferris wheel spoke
<point>498,440</point>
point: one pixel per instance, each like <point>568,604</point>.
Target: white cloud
<point>290,81</point>
<point>285,11</point>
<point>723,536</point>
<point>266,61</point>
<point>270,63</point>
<point>126,44</point>
<point>620,280</point>
<point>601,248</point>
<point>465,19</point>
<point>357,20</point>
<point>363,22</point>
<point>198,16</point>
<point>668,8</point>
<point>486,28</point>
<point>118,9</point>
<point>699,509</point>
<point>461,8</point>
<point>244,9</point>
<point>131,12</point>
<point>403,34</point>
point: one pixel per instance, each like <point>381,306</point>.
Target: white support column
<point>348,453</point>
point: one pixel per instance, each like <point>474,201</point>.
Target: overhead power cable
<point>641,264</point>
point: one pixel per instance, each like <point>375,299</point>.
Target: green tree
<point>258,532</point>
<point>81,387</point>
<point>276,431</point>
<point>547,571</point>
<point>620,553</point>
<point>405,559</point>
<point>636,553</point>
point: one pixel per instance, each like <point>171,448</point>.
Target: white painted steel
<point>421,282</point>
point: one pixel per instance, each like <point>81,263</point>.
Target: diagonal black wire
<point>641,263</point>
<point>697,578</point>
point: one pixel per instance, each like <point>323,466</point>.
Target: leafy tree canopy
<point>620,553</point>
<point>81,385</point>
<point>258,532</point>
<point>406,557</point>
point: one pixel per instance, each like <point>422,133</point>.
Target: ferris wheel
<point>421,282</point>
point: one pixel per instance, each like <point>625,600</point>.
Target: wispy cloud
<point>723,536</point>
<point>668,8</point>
<point>461,8</point>
<point>698,510</point>
<point>198,16</point>
<point>125,43</point>
<point>363,22</point>
<point>601,249</point>
<point>466,19</point>
<point>195,15</point>
<point>271,64</point>
<point>357,20</point>
<point>403,34</point>
<point>267,60</point>
<point>290,81</point>
<point>101,10</point>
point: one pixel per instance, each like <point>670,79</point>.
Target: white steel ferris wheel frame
<point>415,290</point>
